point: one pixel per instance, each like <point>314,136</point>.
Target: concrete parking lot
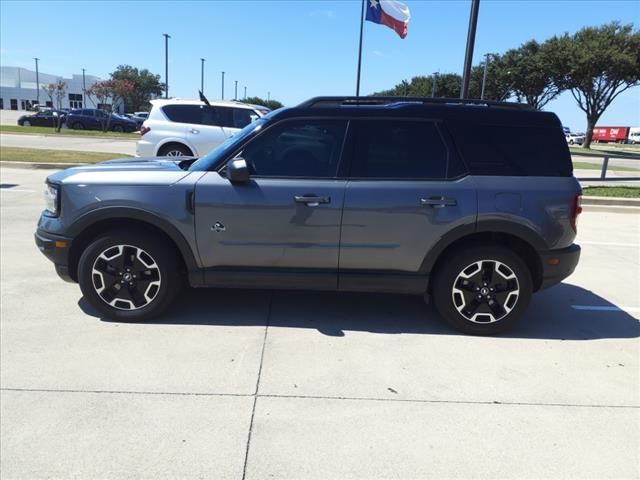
<point>259,384</point>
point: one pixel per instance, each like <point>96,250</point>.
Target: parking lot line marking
<point>605,308</point>
<point>17,190</point>
<point>610,244</point>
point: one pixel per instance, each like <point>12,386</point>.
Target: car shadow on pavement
<point>551,315</point>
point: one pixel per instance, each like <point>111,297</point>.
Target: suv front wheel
<point>483,290</point>
<point>129,276</point>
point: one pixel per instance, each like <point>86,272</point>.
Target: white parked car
<point>177,127</point>
<point>575,138</point>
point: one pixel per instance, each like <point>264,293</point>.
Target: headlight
<point>52,199</point>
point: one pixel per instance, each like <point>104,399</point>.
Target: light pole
<point>484,76</point>
<point>202,60</point>
<point>37,81</point>
<point>84,90</point>
<point>222,85</point>
<point>268,96</point>
<point>235,96</point>
<point>433,84</point>
<point>245,92</point>
<point>166,64</point>
<point>468,56</point>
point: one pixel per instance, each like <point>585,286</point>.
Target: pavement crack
<point>255,395</point>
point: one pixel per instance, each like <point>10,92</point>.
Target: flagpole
<point>360,49</point>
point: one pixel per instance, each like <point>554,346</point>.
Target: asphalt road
<point>259,384</point>
<point>82,144</point>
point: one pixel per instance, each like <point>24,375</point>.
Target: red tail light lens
<point>576,209</point>
<point>144,130</point>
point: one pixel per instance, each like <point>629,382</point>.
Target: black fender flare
<point>518,230</point>
<point>143,216</point>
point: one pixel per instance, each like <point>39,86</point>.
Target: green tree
<point>498,86</point>
<point>271,104</point>
<point>111,92</point>
<point>597,64</point>
<point>58,91</point>
<point>447,85</point>
<point>146,86</point>
<point>530,71</point>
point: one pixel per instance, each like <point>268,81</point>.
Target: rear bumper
<point>558,264</point>
<point>56,248</point>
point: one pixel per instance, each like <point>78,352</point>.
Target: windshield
<point>218,153</point>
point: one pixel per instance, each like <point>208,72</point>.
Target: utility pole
<point>245,92</point>
<point>37,82</point>
<point>484,76</point>
<point>202,60</point>
<point>222,85</point>
<point>235,96</point>
<point>84,90</point>
<point>468,56</point>
<point>166,64</point>
<point>433,84</point>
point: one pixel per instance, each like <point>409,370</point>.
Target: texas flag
<point>391,13</point>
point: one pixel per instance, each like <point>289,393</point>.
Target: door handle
<point>194,131</point>
<point>311,200</point>
<point>438,202</point>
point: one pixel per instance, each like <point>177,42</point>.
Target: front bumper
<point>558,264</point>
<point>56,248</point>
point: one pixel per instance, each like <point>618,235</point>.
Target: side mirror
<point>237,171</point>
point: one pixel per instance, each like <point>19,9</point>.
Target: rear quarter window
<point>513,150</point>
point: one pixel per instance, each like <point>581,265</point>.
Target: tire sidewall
<point>164,257</point>
<point>446,276</point>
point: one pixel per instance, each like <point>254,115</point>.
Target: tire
<point>571,142</point>
<point>118,128</point>
<point>474,308</point>
<point>77,126</point>
<point>150,266</point>
<point>26,123</point>
<point>174,150</point>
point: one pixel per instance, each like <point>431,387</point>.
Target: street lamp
<point>202,60</point>
<point>235,96</point>
<point>487,57</point>
<point>222,86</point>
<point>433,84</point>
<point>166,64</point>
<point>84,90</point>
<point>245,92</point>
<point>268,96</point>
<point>37,82</point>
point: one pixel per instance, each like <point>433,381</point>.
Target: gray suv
<point>471,204</point>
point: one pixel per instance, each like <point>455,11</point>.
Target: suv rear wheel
<point>483,290</point>
<point>129,276</point>
<point>174,150</point>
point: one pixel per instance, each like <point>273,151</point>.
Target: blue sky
<point>294,49</point>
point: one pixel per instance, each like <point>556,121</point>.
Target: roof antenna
<point>204,99</point>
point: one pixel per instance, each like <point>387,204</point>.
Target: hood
<point>127,171</point>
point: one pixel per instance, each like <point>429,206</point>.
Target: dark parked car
<point>471,204</point>
<point>95,119</point>
<point>45,118</point>
<point>134,118</point>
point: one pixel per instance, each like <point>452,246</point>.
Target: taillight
<point>576,209</point>
<point>144,130</point>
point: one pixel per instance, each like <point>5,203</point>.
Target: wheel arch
<point>177,141</point>
<point>90,226</point>
<point>523,241</point>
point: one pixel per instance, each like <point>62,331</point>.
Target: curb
<point>33,165</point>
<point>610,201</point>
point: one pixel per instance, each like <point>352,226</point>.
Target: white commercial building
<point>19,89</point>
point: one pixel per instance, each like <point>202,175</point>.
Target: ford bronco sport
<point>472,204</point>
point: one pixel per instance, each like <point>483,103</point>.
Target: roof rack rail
<point>319,102</point>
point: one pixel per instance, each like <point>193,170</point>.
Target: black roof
<point>468,110</point>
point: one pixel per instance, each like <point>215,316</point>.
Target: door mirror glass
<point>237,171</point>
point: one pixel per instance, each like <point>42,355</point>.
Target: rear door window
<point>193,114</point>
<point>399,149</point>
